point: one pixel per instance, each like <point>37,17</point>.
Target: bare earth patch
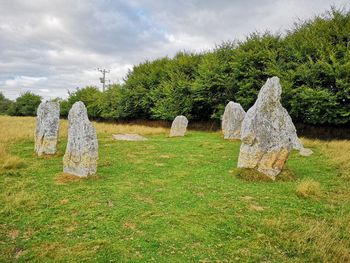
<point>13,234</point>
<point>64,178</point>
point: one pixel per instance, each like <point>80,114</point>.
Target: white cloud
<point>24,81</point>
<point>49,47</point>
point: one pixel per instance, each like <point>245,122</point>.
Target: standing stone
<point>179,126</point>
<point>268,134</point>
<point>47,125</point>
<point>232,120</point>
<point>82,148</point>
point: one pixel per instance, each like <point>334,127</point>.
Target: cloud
<point>24,81</point>
<point>50,47</point>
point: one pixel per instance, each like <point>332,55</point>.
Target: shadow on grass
<point>251,175</point>
<point>48,156</point>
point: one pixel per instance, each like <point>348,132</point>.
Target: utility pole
<point>103,79</point>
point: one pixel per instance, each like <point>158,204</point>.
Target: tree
<point>5,104</point>
<point>25,105</point>
<point>90,96</point>
<point>112,103</point>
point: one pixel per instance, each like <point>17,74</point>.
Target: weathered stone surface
<point>82,148</point>
<point>128,137</point>
<point>305,152</point>
<point>232,120</point>
<point>268,134</point>
<point>47,126</point>
<point>179,126</point>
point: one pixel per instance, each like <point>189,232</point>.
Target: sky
<point>50,47</point>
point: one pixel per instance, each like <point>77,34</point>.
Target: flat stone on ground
<point>128,137</point>
<point>305,152</point>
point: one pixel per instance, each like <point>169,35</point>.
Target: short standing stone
<point>47,126</point>
<point>268,134</point>
<point>232,120</point>
<point>179,126</point>
<point>82,148</point>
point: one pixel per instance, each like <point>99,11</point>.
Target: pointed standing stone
<point>82,148</point>
<point>232,120</point>
<point>47,125</point>
<point>179,126</point>
<point>268,133</point>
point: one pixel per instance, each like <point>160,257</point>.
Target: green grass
<point>171,200</point>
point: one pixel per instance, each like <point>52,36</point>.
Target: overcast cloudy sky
<point>51,46</point>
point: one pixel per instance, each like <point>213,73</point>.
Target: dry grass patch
<point>13,129</point>
<point>256,208</point>
<point>247,198</point>
<point>19,199</point>
<point>9,162</point>
<point>308,188</point>
<point>252,204</point>
<point>16,128</point>
<point>105,163</point>
<point>338,152</point>
<point>64,201</point>
<point>111,128</point>
<point>319,240</point>
<point>145,199</point>
<point>13,234</point>
<point>129,225</point>
<point>166,156</point>
<point>322,239</point>
<point>19,253</point>
<point>65,178</point>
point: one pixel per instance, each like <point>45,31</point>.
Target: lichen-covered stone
<point>232,120</point>
<point>179,126</point>
<point>82,147</point>
<point>268,134</point>
<point>47,126</point>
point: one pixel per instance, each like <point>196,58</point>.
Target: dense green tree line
<point>25,105</point>
<point>312,60</point>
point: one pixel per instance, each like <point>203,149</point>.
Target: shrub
<point>25,105</point>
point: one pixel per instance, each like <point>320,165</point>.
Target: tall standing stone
<point>82,148</point>
<point>47,126</point>
<point>232,120</point>
<point>268,133</point>
<point>179,126</point>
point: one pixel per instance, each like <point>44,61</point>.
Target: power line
<point>103,79</point>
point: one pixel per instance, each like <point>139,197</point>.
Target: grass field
<point>170,200</point>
